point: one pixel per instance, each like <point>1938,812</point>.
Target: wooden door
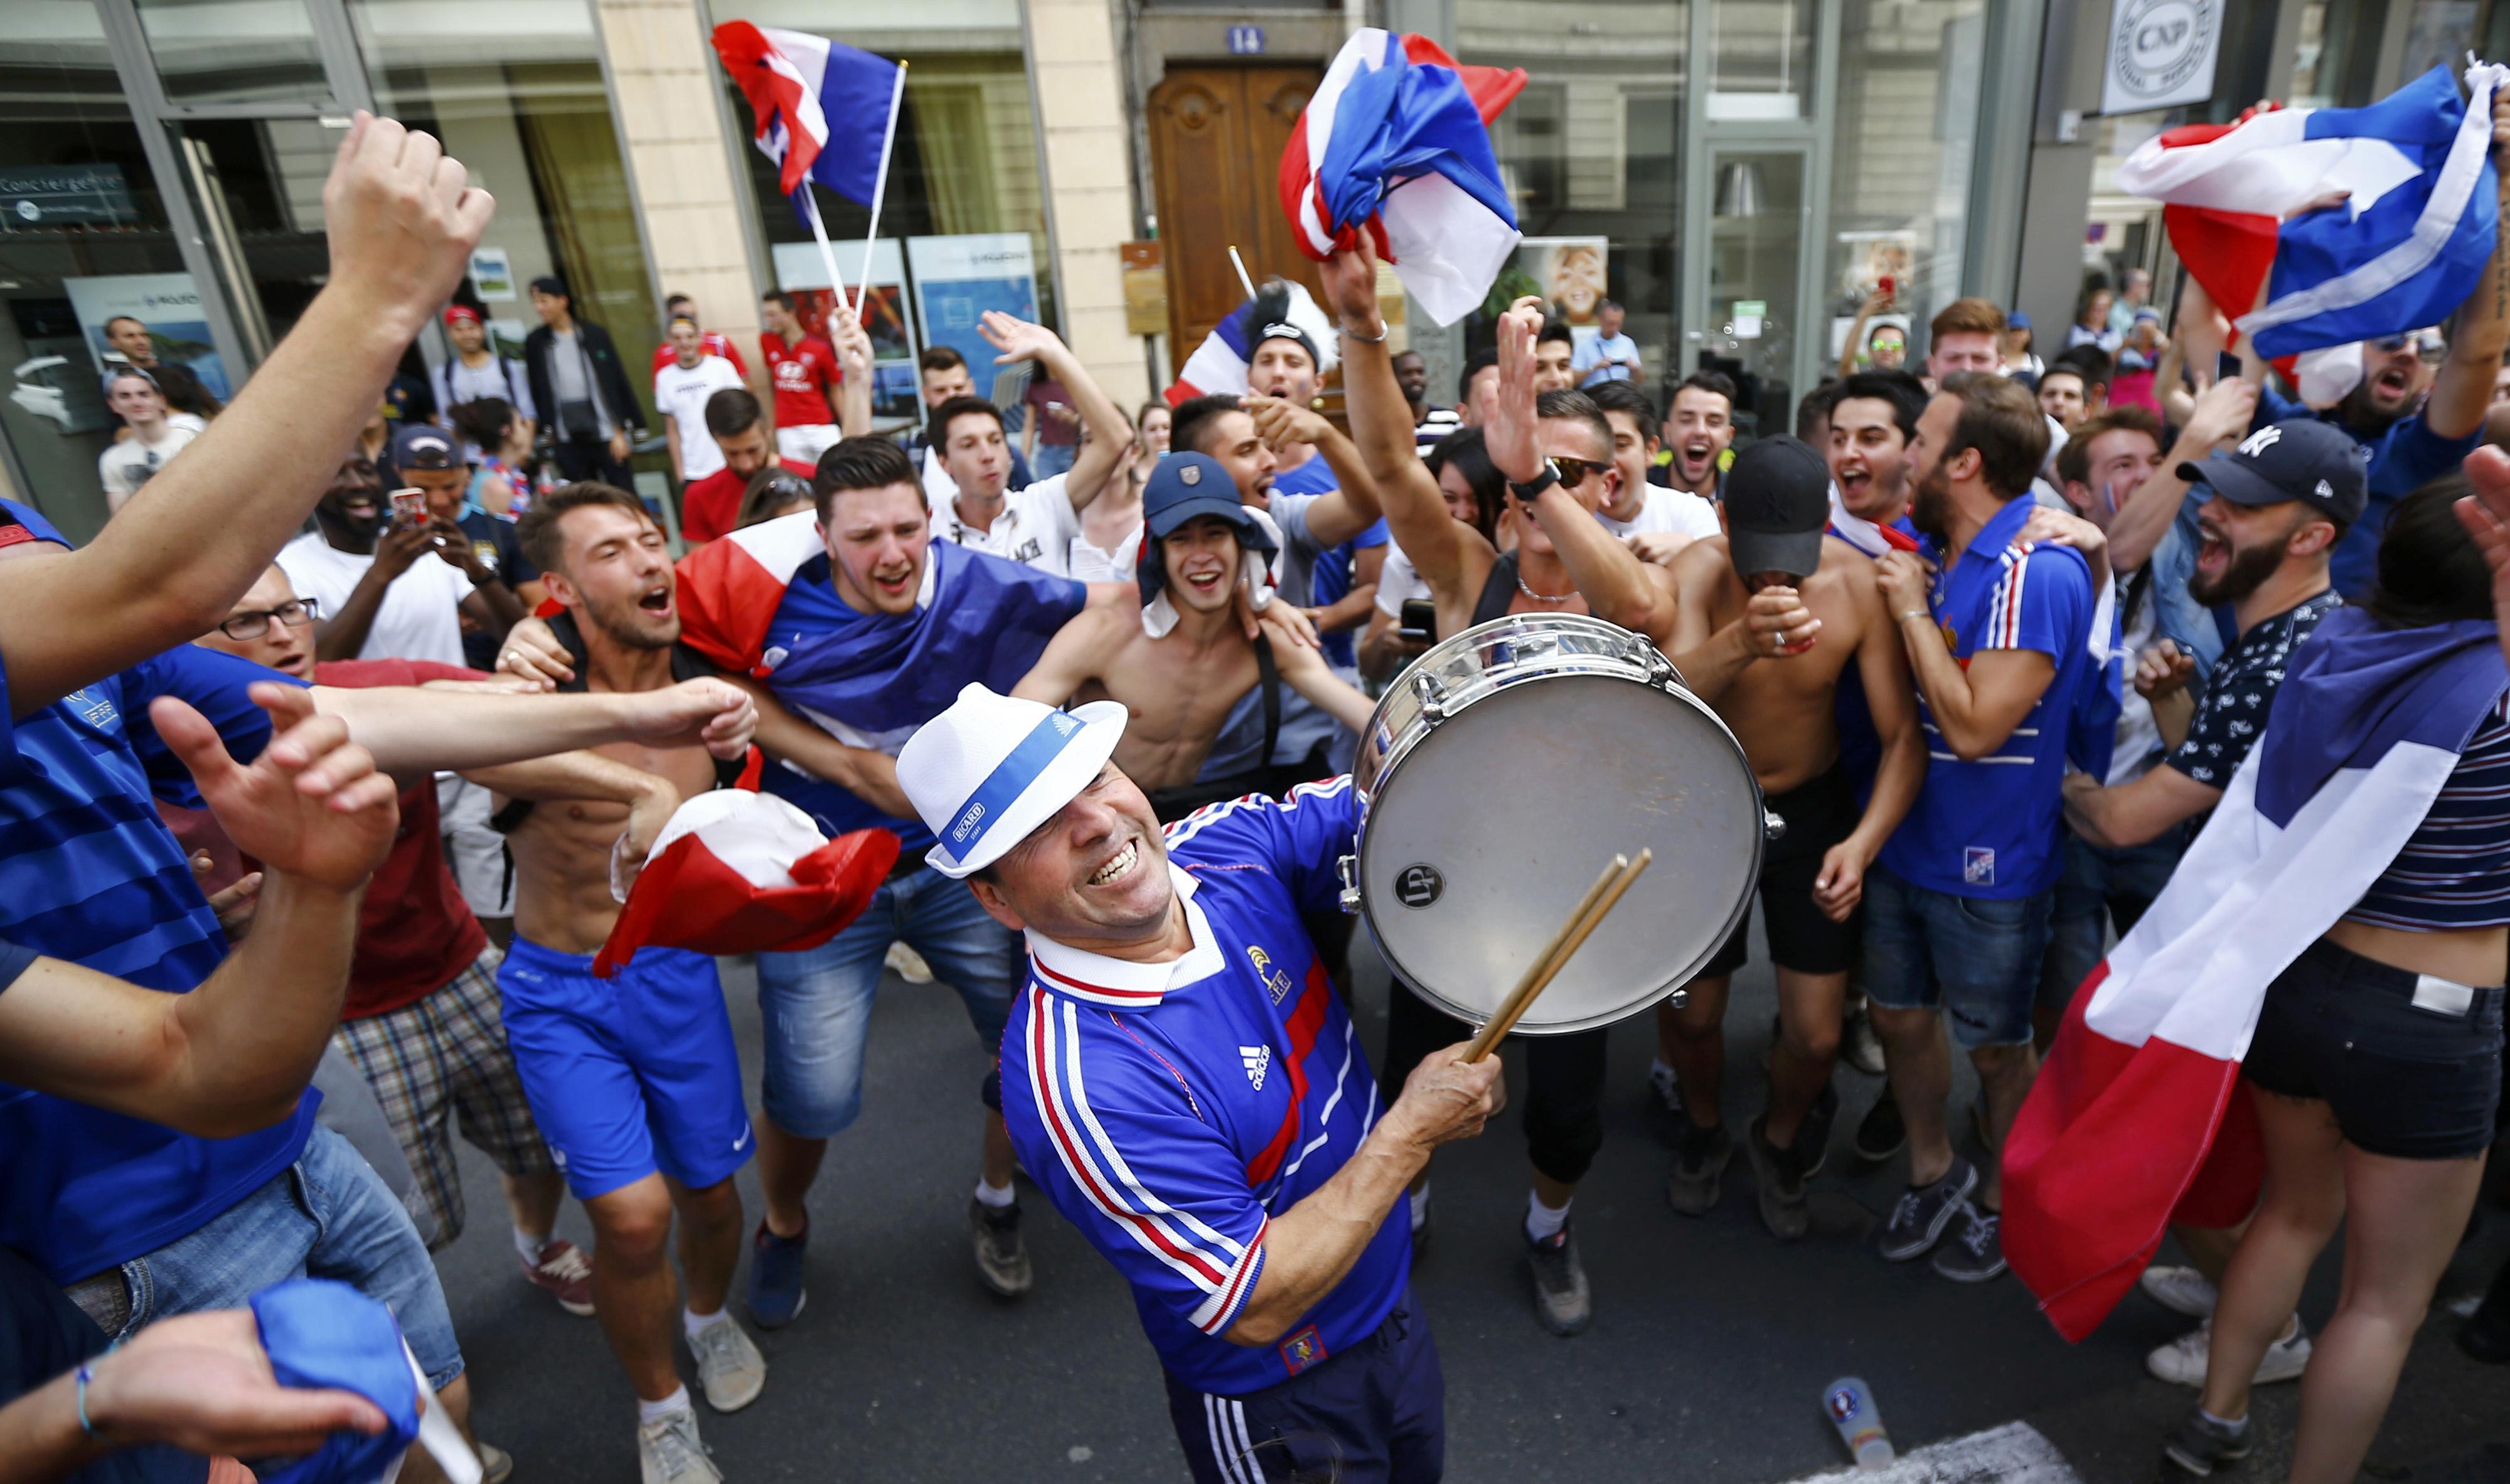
<point>1216,141</point>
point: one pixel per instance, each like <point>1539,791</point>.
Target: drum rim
<point>1403,747</point>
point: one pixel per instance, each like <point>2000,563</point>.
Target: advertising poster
<point>956,278</point>
<point>1569,271</point>
<point>167,304</point>
<point>801,273</point>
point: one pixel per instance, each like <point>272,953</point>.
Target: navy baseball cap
<point>2017,321</point>
<point>1181,488</point>
<point>422,446</point>
<point>2300,458</point>
<point>1777,504</point>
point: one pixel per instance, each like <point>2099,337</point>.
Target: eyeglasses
<point>253,626</point>
<point>2429,344</point>
<point>1573,471</point>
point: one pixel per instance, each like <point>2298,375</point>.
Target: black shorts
<point>2408,1080</point>
<point>1820,813</point>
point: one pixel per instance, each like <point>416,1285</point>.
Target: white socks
<point>1421,1205</point>
<point>649,1412</point>
<point>994,1196</point>
<point>530,1245</point>
<point>694,1322</point>
<point>1542,1222</point>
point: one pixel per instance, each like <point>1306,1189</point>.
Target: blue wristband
<point>84,1377</point>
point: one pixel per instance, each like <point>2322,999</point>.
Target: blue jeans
<point>1053,459</point>
<point>1977,959</point>
<point>328,1216</point>
<point>816,1003</point>
<point>2102,885</point>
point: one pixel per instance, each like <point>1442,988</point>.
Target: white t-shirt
<point>1668,510</point>
<point>680,393</point>
<point>2139,736</point>
<point>128,464</point>
<point>1037,527</point>
<point>1088,564</point>
<point>420,617</point>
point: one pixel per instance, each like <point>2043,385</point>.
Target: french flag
<point>1219,364</point>
<point>2138,1119</point>
<point>741,872</point>
<point>1397,142</point>
<point>2403,253</point>
<point>824,108</point>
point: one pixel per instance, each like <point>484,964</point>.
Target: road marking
<point>2013,1454</point>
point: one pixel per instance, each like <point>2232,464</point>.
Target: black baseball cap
<point>2300,458</point>
<point>1777,504</point>
<point>419,445</point>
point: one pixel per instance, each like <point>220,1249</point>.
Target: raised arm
<point>401,224</point>
<point>2223,414</point>
<point>1110,432</point>
<point>854,356</point>
<point>1710,659</point>
<point>411,730</point>
<point>2463,389</point>
<point>1339,514</point>
<point>1873,305</point>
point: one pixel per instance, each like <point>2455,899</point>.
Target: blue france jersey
<point>1173,1110</point>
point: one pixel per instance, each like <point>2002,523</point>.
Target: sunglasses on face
<point>1573,471</point>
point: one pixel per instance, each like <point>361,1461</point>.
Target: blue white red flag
<point>2135,1120</point>
<point>2402,252</point>
<point>1397,142</point>
<point>823,107</point>
<point>1218,365</point>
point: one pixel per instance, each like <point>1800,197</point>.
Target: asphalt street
<point>1706,1362</point>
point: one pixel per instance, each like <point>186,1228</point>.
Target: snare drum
<point>1506,768</point>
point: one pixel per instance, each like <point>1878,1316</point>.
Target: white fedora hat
<point>991,769</point>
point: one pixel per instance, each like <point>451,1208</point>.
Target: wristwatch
<point>1534,488</point>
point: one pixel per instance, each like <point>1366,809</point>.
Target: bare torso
<point>562,898</point>
<point>1456,607</point>
<point>1783,710</point>
<point>1179,689</point>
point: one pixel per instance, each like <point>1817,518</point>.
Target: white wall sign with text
<point>2162,53</point>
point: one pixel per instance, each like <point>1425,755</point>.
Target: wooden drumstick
<point>1600,898</point>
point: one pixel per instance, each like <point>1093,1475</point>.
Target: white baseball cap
<point>991,769</point>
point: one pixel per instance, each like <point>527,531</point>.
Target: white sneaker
<point>908,964</point>
<point>729,1366</point>
<point>667,1452</point>
<point>2181,1290</point>
<point>2182,1361</point>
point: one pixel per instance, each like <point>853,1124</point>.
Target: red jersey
<point>716,343</point>
<point>804,374</point>
<point>710,507</point>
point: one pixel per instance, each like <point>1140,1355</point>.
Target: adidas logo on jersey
<point>1259,1060</point>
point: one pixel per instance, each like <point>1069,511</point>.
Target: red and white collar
<point>1120,984</point>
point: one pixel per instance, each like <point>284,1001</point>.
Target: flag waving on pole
<point>1396,143</point>
<point>2402,252</point>
<point>824,109</point>
<point>2137,1118</point>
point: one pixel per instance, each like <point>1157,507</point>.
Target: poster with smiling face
<point>165,306</point>
<point>1570,271</point>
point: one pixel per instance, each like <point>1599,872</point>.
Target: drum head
<point>1482,839</point>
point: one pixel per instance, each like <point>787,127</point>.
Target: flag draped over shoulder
<point>741,872</point>
<point>2135,1120</point>
<point>762,602</point>
<point>823,107</point>
<point>2403,253</point>
<point>1395,142</point>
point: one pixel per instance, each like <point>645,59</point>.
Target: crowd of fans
<point>1996,632</point>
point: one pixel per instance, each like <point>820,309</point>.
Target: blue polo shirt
<point>1173,1110</point>
<point>2404,456</point>
<point>88,874</point>
<point>1996,827</point>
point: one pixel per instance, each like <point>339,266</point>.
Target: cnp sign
<point>2162,53</point>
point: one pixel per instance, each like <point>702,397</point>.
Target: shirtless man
<point>634,1080</point>
<point>1184,665</point>
<point>1771,615</point>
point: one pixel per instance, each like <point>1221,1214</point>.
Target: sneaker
<point>907,965</point>
<point>2181,1290</point>
<point>2486,1334</point>
<point>1812,1136</point>
<point>1562,1303</point>
<point>1779,1183</point>
<point>565,1273</point>
<point>1975,1254</point>
<point>496,1465</point>
<point>776,1296</point>
<point>669,1451</point>
<point>1664,1105</point>
<point>2182,1363</point>
<point>2201,1443</point>
<point>1919,1218</point>
<point>1002,1257</point>
<point>1858,1046</point>
<point>728,1365</point>
<point>1881,1133</point>
<point>1699,1162</point>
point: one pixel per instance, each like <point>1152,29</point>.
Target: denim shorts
<point>1975,958</point>
<point>2102,887</point>
<point>816,1003</point>
<point>2407,1079</point>
<point>328,1216</point>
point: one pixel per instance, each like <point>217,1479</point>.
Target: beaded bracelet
<point>84,1377</point>
<point>1352,334</point>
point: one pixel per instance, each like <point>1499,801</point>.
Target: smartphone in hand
<point>408,507</point>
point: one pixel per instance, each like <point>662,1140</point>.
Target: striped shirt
<point>89,874</point>
<point>2454,870</point>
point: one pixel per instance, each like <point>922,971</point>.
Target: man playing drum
<point>1182,1079</point>
<point>1203,698</point>
<point>1772,616</point>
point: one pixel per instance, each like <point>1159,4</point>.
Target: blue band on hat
<point>1002,788</point>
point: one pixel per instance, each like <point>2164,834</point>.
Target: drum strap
<point>1173,804</point>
